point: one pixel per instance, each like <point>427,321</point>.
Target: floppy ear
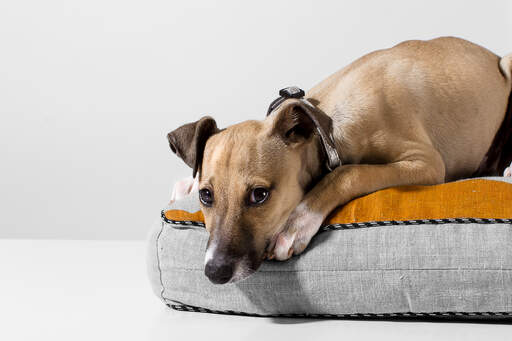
<point>296,121</point>
<point>292,123</point>
<point>189,140</point>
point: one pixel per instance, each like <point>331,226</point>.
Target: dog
<point>419,113</point>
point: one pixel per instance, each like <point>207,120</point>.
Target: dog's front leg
<point>344,184</point>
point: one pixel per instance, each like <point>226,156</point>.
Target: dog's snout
<point>219,272</point>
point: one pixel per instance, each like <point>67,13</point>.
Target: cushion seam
<point>382,223</point>
<point>158,262</point>
<point>362,270</point>
<point>188,308</point>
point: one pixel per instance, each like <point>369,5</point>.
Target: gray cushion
<point>451,267</point>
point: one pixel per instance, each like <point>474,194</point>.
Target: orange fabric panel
<point>465,199</point>
<point>180,215</point>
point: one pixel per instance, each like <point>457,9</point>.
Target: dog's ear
<point>189,141</point>
<point>296,121</point>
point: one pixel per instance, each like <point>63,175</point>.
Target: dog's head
<point>251,176</point>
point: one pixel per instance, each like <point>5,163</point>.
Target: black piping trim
<point>404,315</point>
<point>350,226</point>
<point>331,227</point>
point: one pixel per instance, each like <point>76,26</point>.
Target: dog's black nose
<point>218,272</point>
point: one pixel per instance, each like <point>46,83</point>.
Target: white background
<point>80,297</point>
<point>89,90</point>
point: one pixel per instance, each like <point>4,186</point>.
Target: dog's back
<point>446,92</point>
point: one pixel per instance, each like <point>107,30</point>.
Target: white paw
<point>508,171</point>
<point>183,187</point>
<point>301,226</point>
<point>284,245</point>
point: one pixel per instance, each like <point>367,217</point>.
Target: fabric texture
<point>418,251</point>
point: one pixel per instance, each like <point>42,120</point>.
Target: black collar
<point>326,138</point>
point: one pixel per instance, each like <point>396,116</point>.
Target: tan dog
<point>422,112</point>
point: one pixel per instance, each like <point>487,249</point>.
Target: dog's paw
<point>301,226</point>
<point>182,188</point>
<point>508,171</point>
<point>284,246</point>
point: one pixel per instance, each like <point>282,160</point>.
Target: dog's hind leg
<point>346,183</point>
<point>508,171</point>
<point>506,68</point>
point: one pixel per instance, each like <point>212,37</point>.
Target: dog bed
<point>411,251</point>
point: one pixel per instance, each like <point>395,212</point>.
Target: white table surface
<point>98,290</point>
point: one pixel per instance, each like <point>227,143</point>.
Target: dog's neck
<point>312,168</point>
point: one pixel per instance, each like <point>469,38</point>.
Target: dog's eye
<point>258,196</point>
<point>206,197</point>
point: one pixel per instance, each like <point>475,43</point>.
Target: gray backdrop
<point>88,90</point>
